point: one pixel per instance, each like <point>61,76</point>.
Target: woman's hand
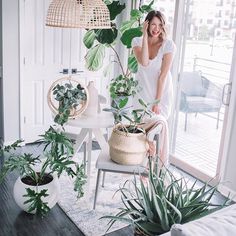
<point>156,109</point>
<point>145,28</point>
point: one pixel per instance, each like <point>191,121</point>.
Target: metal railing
<point>216,71</point>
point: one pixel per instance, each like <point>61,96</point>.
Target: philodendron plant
<point>98,40</point>
<point>38,171</point>
<point>152,207</point>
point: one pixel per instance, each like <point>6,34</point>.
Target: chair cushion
<point>202,104</point>
<point>192,84</point>
<point>220,223</point>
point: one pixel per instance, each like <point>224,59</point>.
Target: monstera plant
<point>97,41</point>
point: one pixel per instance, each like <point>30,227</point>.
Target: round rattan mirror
<point>67,98</point>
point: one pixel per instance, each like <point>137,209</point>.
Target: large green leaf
<point>147,8</point>
<point>128,24</point>
<point>115,8</point>
<point>89,38</point>
<point>136,14</point>
<point>94,57</point>
<point>132,63</point>
<point>128,36</point>
<point>106,35</point>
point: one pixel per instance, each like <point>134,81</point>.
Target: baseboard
<point>227,192</point>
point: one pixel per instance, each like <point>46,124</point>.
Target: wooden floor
<point>14,222</point>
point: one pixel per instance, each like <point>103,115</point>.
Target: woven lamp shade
<point>88,14</point>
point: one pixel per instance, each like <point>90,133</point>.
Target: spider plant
<point>153,207</point>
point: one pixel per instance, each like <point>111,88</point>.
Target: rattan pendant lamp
<point>88,14</point>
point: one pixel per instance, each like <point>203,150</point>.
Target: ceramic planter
<point>20,189</point>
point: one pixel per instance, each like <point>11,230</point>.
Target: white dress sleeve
<point>169,47</point>
<point>137,41</point>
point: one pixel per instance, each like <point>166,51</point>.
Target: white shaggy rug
<point>81,210</point>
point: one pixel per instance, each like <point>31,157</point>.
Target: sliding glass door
<point>203,85</point>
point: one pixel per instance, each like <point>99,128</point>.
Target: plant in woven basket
<point>134,117</point>
<point>69,98</point>
<point>153,207</point>
<point>37,188</point>
<point>98,40</point>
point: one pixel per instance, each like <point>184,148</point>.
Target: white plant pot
<point>128,148</point>
<point>53,190</point>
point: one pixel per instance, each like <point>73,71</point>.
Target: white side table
<point>92,125</point>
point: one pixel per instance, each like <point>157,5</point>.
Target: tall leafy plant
<point>98,40</point>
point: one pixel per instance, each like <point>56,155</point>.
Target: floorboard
<point>14,222</point>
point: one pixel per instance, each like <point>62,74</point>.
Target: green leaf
<point>147,8</point>
<point>115,8</point>
<point>106,36</point>
<point>123,102</point>
<point>128,24</point>
<point>94,57</point>
<point>132,63</point>
<point>136,14</point>
<point>129,34</point>
<point>89,38</point>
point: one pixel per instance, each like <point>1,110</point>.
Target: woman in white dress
<point>154,53</point>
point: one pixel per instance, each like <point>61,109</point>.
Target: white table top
<point>101,120</point>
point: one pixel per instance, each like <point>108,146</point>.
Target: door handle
<point>75,71</point>
<point>64,71</point>
<point>226,94</point>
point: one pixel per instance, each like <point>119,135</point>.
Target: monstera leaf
<point>89,38</point>
<point>94,57</point>
<point>128,35</point>
<point>115,8</point>
<point>128,24</point>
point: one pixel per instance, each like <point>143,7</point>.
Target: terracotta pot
<point>53,189</point>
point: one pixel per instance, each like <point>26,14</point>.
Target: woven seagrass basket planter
<point>127,148</point>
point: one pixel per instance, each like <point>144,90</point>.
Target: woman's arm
<point>142,53</point>
<point>165,67</point>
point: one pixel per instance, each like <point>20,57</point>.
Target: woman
<point>154,53</point>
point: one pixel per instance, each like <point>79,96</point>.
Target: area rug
<point>81,212</point>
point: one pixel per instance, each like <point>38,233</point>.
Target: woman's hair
<point>161,17</point>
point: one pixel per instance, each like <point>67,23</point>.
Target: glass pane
<point>207,57</point>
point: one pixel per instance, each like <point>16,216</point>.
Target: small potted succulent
<point>37,188</point>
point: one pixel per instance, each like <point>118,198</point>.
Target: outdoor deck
<point>199,145</point>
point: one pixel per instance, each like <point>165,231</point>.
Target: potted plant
<point>67,98</point>
<point>37,188</point>
<point>152,207</point>
<point>98,40</point>
<point>128,142</point>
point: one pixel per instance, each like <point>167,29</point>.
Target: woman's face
<point>155,27</point>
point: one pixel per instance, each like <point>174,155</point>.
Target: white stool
<point>105,164</point>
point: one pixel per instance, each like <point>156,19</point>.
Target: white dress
<point>148,76</point>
